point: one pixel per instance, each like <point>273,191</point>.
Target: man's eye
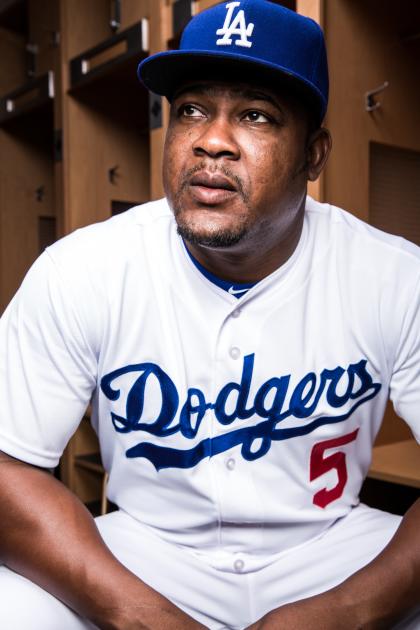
<point>190,111</point>
<point>256,117</point>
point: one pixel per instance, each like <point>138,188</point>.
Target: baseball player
<point>238,341</point>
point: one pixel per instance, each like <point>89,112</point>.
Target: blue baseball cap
<point>251,40</point>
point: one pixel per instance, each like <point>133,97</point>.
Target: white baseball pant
<point>217,596</point>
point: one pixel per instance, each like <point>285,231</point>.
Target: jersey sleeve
<point>405,379</point>
<point>47,368</point>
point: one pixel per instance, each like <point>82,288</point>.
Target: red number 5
<point>319,465</point>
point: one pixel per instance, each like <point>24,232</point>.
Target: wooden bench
<point>398,462</point>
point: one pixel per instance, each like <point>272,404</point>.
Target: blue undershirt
<point>237,289</point>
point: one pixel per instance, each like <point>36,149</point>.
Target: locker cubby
<point>106,108</point>
<point>108,134</point>
<point>29,36</point>
<point>111,148</point>
<point>26,189</point>
<point>29,50</point>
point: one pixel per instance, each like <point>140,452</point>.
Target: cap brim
<point>165,72</point>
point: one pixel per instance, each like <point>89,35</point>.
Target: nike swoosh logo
<point>233,291</point>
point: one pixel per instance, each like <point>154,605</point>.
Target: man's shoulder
<point>116,236</point>
<point>357,237</point>
<point>118,226</point>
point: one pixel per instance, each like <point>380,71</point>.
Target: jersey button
<point>230,463</point>
<point>234,352</point>
<point>238,565</point>
<point>236,313</point>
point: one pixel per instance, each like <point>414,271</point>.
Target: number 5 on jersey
<point>321,463</point>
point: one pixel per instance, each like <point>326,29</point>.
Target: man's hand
<point>322,612</point>
<point>151,612</point>
<point>149,617</point>
<point>374,598</point>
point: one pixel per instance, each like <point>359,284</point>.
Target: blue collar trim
<point>236,289</point>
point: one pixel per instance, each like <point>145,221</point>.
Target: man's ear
<point>317,152</point>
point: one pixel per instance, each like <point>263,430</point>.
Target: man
<point>239,345</point>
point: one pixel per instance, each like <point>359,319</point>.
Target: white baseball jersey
<point>229,426</point>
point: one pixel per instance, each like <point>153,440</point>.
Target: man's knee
<point>25,605</point>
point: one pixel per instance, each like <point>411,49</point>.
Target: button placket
<point>230,463</point>
<point>234,352</point>
<point>238,565</point>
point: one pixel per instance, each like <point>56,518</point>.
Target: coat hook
<point>39,193</point>
<point>370,103</point>
<point>113,174</point>
<point>55,38</point>
<point>32,51</point>
<point>115,21</point>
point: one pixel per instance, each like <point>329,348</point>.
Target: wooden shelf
<point>110,56</point>
<point>397,463</point>
<point>34,95</point>
<point>92,462</point>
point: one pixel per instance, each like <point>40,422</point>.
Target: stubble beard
<point>216,237</point>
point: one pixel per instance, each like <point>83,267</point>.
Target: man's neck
<point>247,263</point>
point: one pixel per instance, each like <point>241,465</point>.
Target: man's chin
<point>212,239</point>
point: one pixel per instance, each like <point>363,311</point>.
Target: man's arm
<point>373,598</point>
<point>47,535</point>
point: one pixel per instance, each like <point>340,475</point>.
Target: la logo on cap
<point>235,26</point>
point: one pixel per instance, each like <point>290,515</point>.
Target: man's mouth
<point>211,188</point>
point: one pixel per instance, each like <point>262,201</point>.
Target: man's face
<point>234,164</point>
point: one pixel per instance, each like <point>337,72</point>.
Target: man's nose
<point>217,140</point>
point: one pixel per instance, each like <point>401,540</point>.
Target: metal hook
<point>370,103</point>
<point>55,38</point>
<point>113,173</point>
<point>32,48</point>
<point>32,51</point>
<point>39,193</point>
